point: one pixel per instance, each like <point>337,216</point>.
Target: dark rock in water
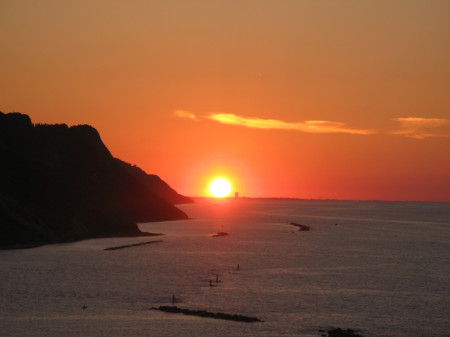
<point>60,184</point>
<point>300,227</point>
<point>133,244</point>
<point>204,313</point>
<point>219,234</point>
<point>338,332</point>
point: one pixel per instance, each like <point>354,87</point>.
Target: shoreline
<point>40,244</point>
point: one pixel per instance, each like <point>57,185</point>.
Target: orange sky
<point>310,99</point>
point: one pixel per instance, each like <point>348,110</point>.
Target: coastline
<point>40,244</point>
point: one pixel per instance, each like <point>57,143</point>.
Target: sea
<point>378,267</point>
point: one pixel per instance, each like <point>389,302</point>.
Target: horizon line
<point>316,199</point>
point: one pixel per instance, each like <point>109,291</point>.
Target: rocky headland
<point>61,183</point>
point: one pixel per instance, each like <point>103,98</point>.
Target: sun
<point>220,188</point>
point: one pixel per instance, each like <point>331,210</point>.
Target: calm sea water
<point>381,267</point>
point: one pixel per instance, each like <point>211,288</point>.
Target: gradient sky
<point>312,99</point>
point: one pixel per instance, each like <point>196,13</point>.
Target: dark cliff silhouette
<point>60,183</point>
<point>155,183</point>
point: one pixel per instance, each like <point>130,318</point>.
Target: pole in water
<point>173,299</point>
<point>237,267</point>
<point>217,278</point>
<point>210,283</point>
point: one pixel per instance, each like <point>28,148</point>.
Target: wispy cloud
<point>420,128</point>
<point>306,126</point>
<point>261,123</point>
<point>412,127</point>
<point>185,114</point>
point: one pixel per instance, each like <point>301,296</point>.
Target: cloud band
<point>419,128</point>
<point>412,127</point>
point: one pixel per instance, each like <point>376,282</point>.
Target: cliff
<point>156,184</point>
<point>60,183</point>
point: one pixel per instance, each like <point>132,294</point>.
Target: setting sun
<point>220,188</point>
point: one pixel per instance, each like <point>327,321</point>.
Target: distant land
<point>61,184</point>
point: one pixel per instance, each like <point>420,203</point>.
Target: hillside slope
<point>60,183</point>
